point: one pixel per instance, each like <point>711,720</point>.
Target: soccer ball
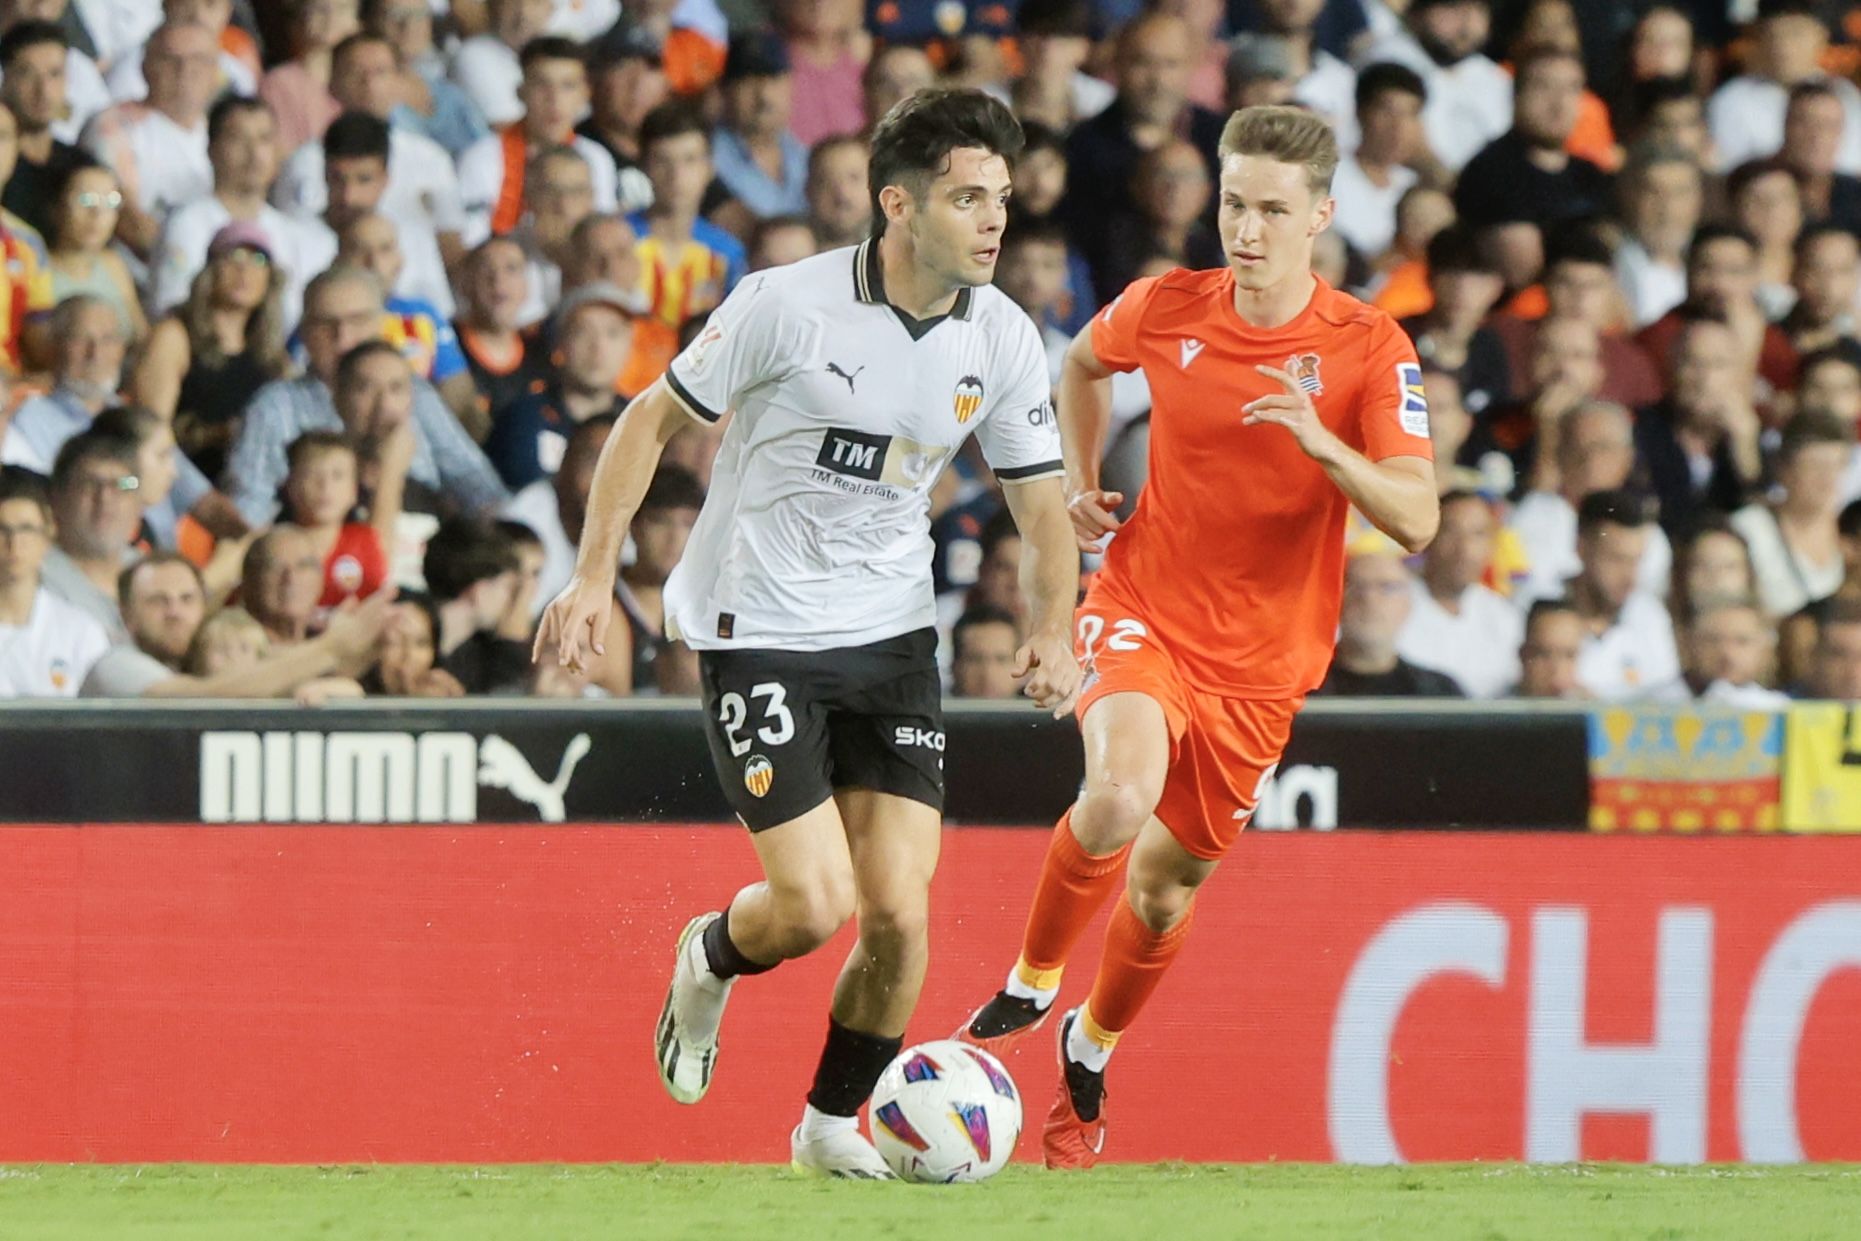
<point>946,1111</point>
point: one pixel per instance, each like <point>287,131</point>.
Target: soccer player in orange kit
<point>1277,403</point>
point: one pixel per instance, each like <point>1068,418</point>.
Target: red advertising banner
<point>488,994</point>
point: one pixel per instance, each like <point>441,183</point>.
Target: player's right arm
<point>576,621</point>
<point>1084,408</point>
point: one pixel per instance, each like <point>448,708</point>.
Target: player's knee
<point>1160,906</point>
<point>1109,814</point>
<point>813,913</point>
<point>897,922</point>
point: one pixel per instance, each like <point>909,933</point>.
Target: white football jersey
<point>51,654</point>
<point>816,532</point>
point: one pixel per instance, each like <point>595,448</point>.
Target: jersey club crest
<point>1303,367</point>
<point>968,398</point>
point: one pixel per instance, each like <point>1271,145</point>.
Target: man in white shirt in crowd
<point>1320,81</point>
<point>47,645</point>
<point>127,78</point>
<point>1835,667</point>
<point>157,146</point>
<point>1548,657</point>
<point>242,144</point>
<point>1662,193</point>
<point>357,165</point>
<point>1592,449</point>
<point>1370,182</point>
<point>1746,114</point>
<point>422,189</point>
<point>1731,653</point>
<point>1458,625</point>
<point>1469,96</point>
<point>492,171</point>
<point>486,66</point>
<point>1628,644</point>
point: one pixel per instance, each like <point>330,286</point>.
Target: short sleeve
<point>1392,410</point>
<point>742,345</point>
<point>1114,329</point>
<point>448,358</point>
<point>1019,436</point>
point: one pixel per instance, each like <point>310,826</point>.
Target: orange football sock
<point>1073,885</point>
<point>1134,962</point>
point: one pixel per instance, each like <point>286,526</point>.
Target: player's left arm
<point>1050,580</point>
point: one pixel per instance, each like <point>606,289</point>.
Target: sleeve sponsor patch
<point>1413,409</point>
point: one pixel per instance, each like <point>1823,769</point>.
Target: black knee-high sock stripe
<point>724,957</point>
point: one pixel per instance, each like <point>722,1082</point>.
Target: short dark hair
<point>1740,178</point>
<point>1811,88</point>
<point>1386,77</point>
<point>1061,19</point>
<point>29,34</point>
<point>673,486</point>
<point>1034,233</point>
<point>1659,92</point>
<point>228,107</point>
<point>1812,233</point>
<point>343,50</point>
<point>1531,58</point>
<point>464,552</point>
<point>76,166</point>
<point>155,559</point>
<point>1577,243</point>
<point>912,143</point>
<point>1706,234</point>
<point>519,533</point>
<point>313,442</point>
<point>92,445</point>
<point>1547,607</point>
<point>1611,508</point>
<point>1768,9</point>
<point>760,231</point>
<point>587,427</point>
<point>996,531</point>
<point>1457,248</point>
<point>129,421</point>
<point>980,614</point>
<point>1823,357</point>
<point>671,120</point>
<point>1808,428</point>
<point>1038,137</point>
<point>551,47</point>
<point>356,135</point>
<point>19,483</point>
<point>352,361</point>
<point>1848,523</point>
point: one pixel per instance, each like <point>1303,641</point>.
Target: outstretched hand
<point>1291,409</point>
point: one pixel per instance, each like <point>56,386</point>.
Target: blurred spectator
<point>169,487</point>
<point>32,57</point>
<point>1259,72</point>
<point>1554,636</point>
<point>1731,658</point>
<point>242,143</point>
<point>1722,282</point>
<point>1747,112</point>
<point>1795,546</point>
<point>1701,446</point>
<point>1628,645</point>
<point>429,102</point>
<point>283,581</point>
<point>494,171</point>
<point>1055,38</point>
<point>1661,47</point>
<point>486,66</point>
<point>1321,82</point>
<point>1553,24</point>
<point>828,47</point>
<point>158,146</point>
<point>418,189</point>
<point>88,349</point>
<point>472,571</point>
<point>236,70</point>
<point>1835,671</point>
<point>47,645</point>
<point>1456,625</point>
<point>555,507</point>
<point>370,242</point>
<point>321,495</point>
<point>998,573</point>
<point>1666,112</point>
<point>1528,175</point>
<point>627,79</point>
<point>84,90</point>
<point>1399,280</point>
<point>298,90</point>
<point>161,599</point>
<point>779,241</point>
<point>897,71</point>
<point>1566,372</point>
<point>1767,204</point>
<point>1449,424</point>
<point>660,530</point>
<point>1377,602</point>
<point>1372,180</point>
<point>984,641</point>
<point>1827,281</point>
<point>1469,96</point>
<point>839,204</point>
<point>409,647</point>
<point>505,363</point>
<point>593,331</point>
<point>204,361</point>
<point>25,291</point>
<point>603,250</point>
<point>1713,566</point>
<point>1662,197</point>
<point>1451,335</point>
<point>1152,106</point>
<point>1171,193</point>
<point>762,165</point>
<point>692,49</point>
<point>690,265</point>
<point>81,258</point>
<point>1592,449</point>
<point>343,308</point>
<point>1812,140</point>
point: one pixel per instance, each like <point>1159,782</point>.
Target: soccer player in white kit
<point>854,377</point>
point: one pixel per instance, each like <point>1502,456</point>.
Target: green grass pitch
<point>1171,1202</point>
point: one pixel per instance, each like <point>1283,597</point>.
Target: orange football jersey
<point>1234,557</point>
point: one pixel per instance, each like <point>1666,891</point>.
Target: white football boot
<point>685,1041</point>
<point>845,1154</point>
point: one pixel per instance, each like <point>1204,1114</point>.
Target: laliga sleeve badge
<point>758,775</point>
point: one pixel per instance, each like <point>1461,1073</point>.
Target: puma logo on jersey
<point>1192,349</point>
<point>833,368</point>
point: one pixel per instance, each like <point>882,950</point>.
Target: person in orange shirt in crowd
<point>1278,403</point>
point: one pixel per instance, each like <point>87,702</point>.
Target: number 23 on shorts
<point>774,724</point>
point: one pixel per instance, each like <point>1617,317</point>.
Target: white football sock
<point>1082,1050</point>
<point>816,1124</point>
<point>1043,997</point>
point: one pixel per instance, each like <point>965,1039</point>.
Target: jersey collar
<point>869,287</point>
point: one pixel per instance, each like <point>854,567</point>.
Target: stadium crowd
<point>315,315</point>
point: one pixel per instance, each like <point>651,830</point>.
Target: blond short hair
<point>231,622</point>
<point>1289,135</point>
